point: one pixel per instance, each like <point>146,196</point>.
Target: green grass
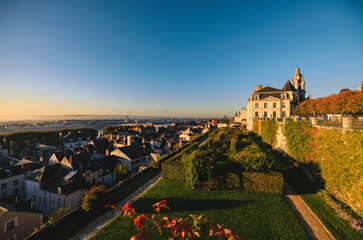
<point>71,226</point>
<point>338,227</point>
<point>251,215</point>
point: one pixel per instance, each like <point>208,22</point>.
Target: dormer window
<point>256,105</point>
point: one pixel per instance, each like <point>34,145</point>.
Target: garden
<point>227,179</point>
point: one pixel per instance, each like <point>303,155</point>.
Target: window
<point>274,114</point>
<point>265,105</point>
<point>283,104</point>
<point>288,96</point>
<point>256,114</point>
<point>15,191</point>
<point>3,186</point>
<point>274,105</point>
<point>15,182</point>
<point>10,225</point>
<point>4,195</point>
<point>256,105</point>
<point>283,114</point>
<point>265,114</point>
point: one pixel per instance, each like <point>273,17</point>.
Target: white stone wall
<point>9,189</point>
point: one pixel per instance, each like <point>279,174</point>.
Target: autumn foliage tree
<point>347,102</point>
<point>94,198</point>
<point>191,227</point>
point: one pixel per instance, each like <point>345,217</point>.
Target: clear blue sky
<point>171,58</point>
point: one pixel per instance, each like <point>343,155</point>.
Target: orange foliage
<point>348,102</point>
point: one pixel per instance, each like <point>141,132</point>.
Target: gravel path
<point>87,232</point>
<point>314,228</point>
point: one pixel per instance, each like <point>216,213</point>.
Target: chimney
<point>41,158</point>
<point>361,84</point>
<point>259,87</point>
<point>70,160</point>
<point>128,140</point>
<point>169,144</point>
<point>107,152</point>
<point>181,142</point>
<point>152,141</point>
<point>60,137</point>
<point>143,140</point>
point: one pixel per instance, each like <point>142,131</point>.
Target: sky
<point>170,58</point>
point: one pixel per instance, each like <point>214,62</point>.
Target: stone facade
<point>268,102</point>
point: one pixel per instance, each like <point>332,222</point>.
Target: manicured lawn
<point>71,226</point>
<point>252,215</point>
<point>338,227</point>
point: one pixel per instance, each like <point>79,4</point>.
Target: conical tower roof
<point>288,86</point>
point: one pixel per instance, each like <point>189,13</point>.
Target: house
<point>268,102</point>
<point>54,186</point>
<point>18,223</point>
<point>98,148</point>
<point>133,156</point>
<point>189,134</point>
<point>12,178</point>
<point>75,140</point>
<point>101,171</point>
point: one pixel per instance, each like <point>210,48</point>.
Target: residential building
<point>54,186</point>
<point>75,140</point>
<point>133,156</point>
<point>17,223</point>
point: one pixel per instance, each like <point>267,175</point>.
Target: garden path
<point>311,224</point>
<point>87,232</point>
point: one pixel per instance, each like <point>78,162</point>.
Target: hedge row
<point>171,168</point>
<point>264,182</point>
<point>174,171</point>
<point>271,183</point>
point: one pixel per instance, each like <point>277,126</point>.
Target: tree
<point>94,198</point>
<point>122,172</point>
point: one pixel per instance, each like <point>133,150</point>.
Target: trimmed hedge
<point>173,171</point>
<point>271,183</point>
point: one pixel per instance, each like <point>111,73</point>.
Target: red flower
<point>159,205</point>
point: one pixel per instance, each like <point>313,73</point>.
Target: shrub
<point>94,198</point>
<point>271,183</point>
<point>252,158</point>
<point>173,170</point>
<point>122,172</point>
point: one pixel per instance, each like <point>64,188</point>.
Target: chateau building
<point>268,102</point>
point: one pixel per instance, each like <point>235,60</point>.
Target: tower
<point>299,84</point>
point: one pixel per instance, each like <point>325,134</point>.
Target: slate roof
<point>75,136</point>
<point>101,144</point>
<point>273,94</point>
<point>288,86</point>
<point>134,151</point>
<point>268,89</point>
<point>55,176</point>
